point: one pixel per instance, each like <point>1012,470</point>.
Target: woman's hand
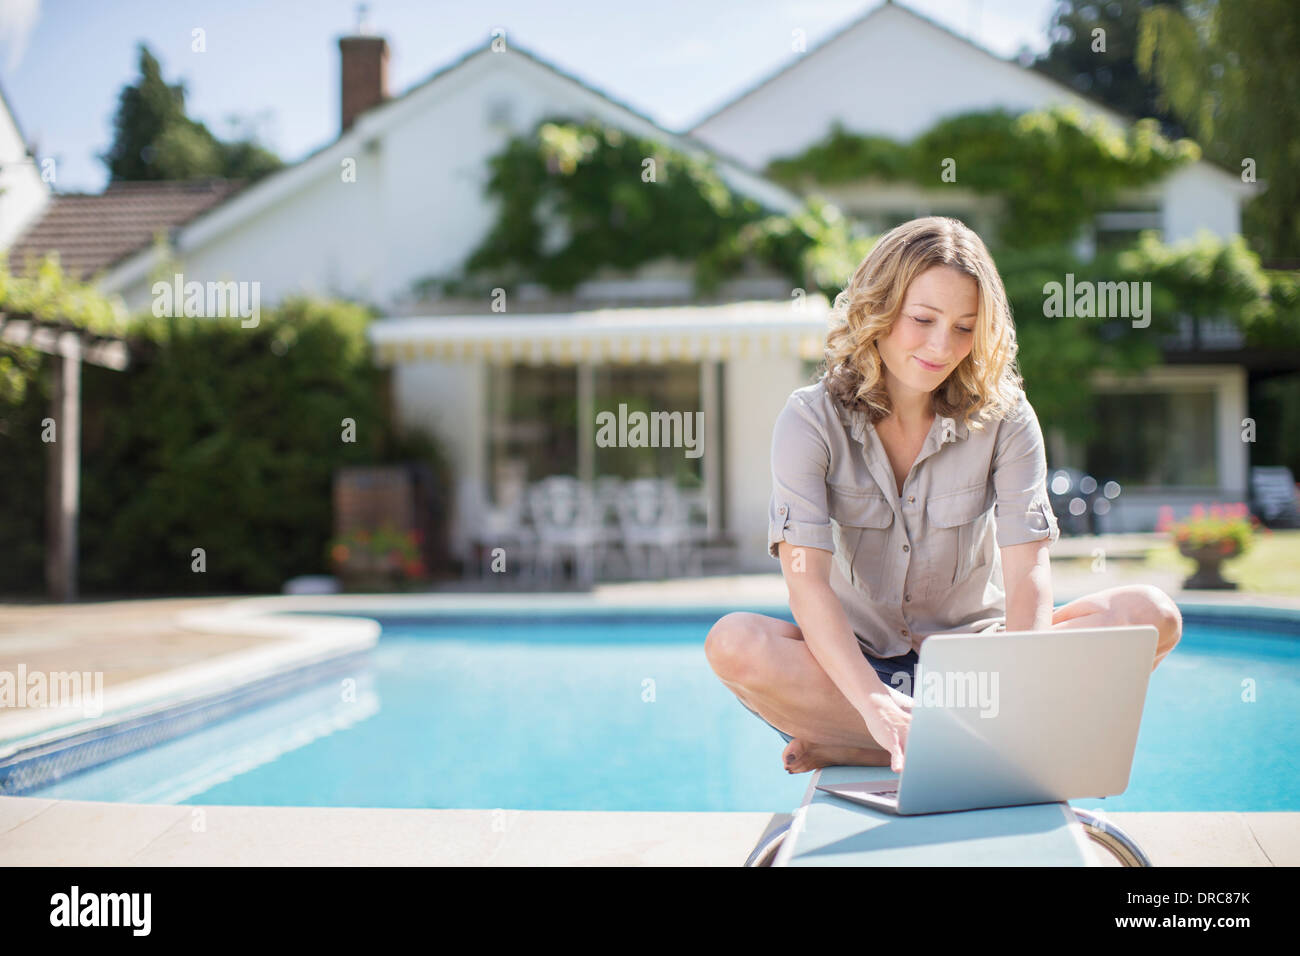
<point>901,699</point>
<point>888,716</point>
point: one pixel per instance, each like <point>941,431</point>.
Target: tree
<point>155,140</point>
<point>1230,71</point>
<point>1102,65</point>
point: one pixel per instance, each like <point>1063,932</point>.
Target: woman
<point>909,499</point>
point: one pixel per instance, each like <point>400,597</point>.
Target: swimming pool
<point>617,709</point>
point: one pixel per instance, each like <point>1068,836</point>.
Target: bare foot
<point>800,756</point>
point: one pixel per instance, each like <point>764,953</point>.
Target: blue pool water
<point>621,712</point>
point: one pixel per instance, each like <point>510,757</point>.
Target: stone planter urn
<point>1209,559</point>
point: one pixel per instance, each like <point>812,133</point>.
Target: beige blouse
<point>927,561</point>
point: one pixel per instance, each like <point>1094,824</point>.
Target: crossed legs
<point>766,664</point>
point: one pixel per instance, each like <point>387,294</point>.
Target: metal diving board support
<point>827,831</point>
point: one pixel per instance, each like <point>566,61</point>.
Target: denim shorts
<point>886,668</point>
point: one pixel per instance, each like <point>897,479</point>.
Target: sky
<point>271,67</point>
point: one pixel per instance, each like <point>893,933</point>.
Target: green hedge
<point>216,437</point>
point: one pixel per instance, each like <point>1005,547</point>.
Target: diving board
<point>828,831</point>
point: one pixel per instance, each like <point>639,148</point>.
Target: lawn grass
<point>1271,565</point>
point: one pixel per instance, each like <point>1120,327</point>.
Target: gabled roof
<point>376,120</point>
<point>13,118</point>
<point>683,137</point>
<point>1115,115</point>
<point>92,232</point>
<point>26,191</point>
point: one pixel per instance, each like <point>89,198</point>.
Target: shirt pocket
<point>955,521</point>
<point>863,524</point>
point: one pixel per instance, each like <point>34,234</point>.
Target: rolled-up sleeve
<point>797,512</point>
<point>1023,511</point>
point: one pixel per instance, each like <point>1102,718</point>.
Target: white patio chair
<point>505,526</point>
<point>564,516</point>
<point>611,561</point>
<point>696,503</point>
<point>654,522</point>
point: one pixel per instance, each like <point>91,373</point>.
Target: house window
<point>533,415</point>
<point>500,114</point>
<point>1164,439</point>
<point>886,219</point>
<point>672,388</point>
<point>883,220</point>
<point>968,216</point>
<point>533,412</point>
<point>1119,229</point>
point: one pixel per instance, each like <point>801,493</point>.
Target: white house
<point>398,198</point>
<point>894,72</point>
<point>24,192</point>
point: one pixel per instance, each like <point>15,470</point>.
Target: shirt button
<point>905,632</point>
<point>907,547</point>
<point>911,498</point>
<point>907,597</point>
<point>781,509</point>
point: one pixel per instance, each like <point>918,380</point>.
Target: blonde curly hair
<point>985,386</point>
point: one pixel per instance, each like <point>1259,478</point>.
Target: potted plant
<point>380,559</point>
<point>1210,539</point>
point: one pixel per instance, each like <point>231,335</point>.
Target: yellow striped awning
<point>622,335</point>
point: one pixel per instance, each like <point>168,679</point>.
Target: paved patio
<point>37,832</point>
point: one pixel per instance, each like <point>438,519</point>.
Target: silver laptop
<point>1001,720</point>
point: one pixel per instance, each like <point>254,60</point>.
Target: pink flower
<point>1166,518</point>
<point>1198,511</point>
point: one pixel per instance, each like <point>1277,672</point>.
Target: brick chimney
<point>364,73</point>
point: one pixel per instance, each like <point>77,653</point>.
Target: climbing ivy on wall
<point>1053,170</point>
<point>576,198</point>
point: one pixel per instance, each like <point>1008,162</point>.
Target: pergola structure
<point>72,346</point>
